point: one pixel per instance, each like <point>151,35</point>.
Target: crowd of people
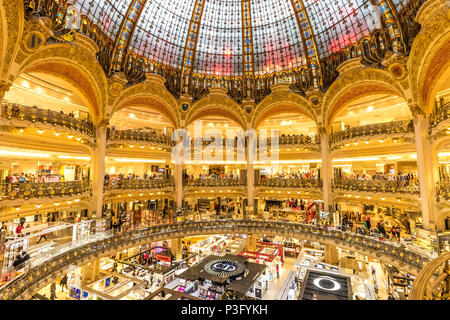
<point>361,223</point>
<point>304,175</point>
<point>210,175</point>
<point>379,176</point>
<point>111,179</point>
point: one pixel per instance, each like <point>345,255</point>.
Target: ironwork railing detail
<point>139,184</point>
<point>34,114</point>
<point>27,190</point>
<point>378,186</point>
<point>139,136</point>
<point>214,183</point>
<point>290,183</point>
<point>395,127</point>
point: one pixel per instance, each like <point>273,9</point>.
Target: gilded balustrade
<point>46,271</point>
<point>290,183</point>
<point>139,184</point>
<point>395,127</point>
<point>139,136</point>
<point>27,190</point>
<point>443,191</point>
<point>34,114</point>
<point>440,115</point>
<point>378,186</point>
<point>214,183</point>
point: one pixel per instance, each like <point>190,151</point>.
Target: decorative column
<point>251,243</point>
<point>98,168</point>
<point>178,172</point>
<point>331,255</point>
<point>176,248</point>
<point>327,170</point>
<point>250,173</point>
<point>4,88</point>
<point>91,271</point>
<point>427,165</point>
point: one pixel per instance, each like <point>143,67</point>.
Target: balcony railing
<point>395,127</point>
<point>440,115</point>
<point>443,191</point>
<point>139,136</point>
<point>45,271</point>
<point>27,190</point>
<point>411,187</point>
<point>34,114</point>
<point>290,183</point>
<point>213,183</point>
<point>139,184</point>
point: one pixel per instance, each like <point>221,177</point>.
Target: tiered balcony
<point>139,184</point>
<point>290,183</point>
<point>395,128</point>
<point>37,115</point>
<point>24,190</point>
<point>139,137</point>
<point>376,186</point>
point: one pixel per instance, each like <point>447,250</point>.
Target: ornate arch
<point>429,61</point>
<point>219,105</point>
<point>354,84</point>
<point>149,94</point>
<point>72,63</point>
<point>11,27</point>
<point>282,102</point>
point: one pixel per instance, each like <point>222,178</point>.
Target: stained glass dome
<point>232,37</point>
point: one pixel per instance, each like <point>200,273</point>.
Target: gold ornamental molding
<point>73,63</point>
<point>151,94</point>
<point>216,104</point>
<point>355,83</point>
<point>13,22</point>
<point>430,53</point>
<point>282,101</point>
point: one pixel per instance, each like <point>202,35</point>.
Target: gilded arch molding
<point>217,105</point>
<point>282,102</point>
<point>429,59</point>
<point>12,26</point>
<point>354,84</point>
<point>73,64</point>
<point>152,95</point>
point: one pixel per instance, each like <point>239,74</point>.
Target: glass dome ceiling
<point>277,35</point>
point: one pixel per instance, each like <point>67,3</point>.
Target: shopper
<point>53,291</point>
<point>63,282</point>
<point>43,236</point>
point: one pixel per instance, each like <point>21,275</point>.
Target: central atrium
<point>225,150</point>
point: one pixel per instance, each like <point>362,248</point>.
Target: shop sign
<point>163,258</point>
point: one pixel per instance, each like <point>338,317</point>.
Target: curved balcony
<point>24,190</point>
<point>56,263</point>
<point>139,184</point>
<point>377,186</point>
<point>440,115</point>
<point>139,136</point>
<point>290,183</point>
<point>34,114</point>
<point>213,183</point>
<point>389,128</point>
